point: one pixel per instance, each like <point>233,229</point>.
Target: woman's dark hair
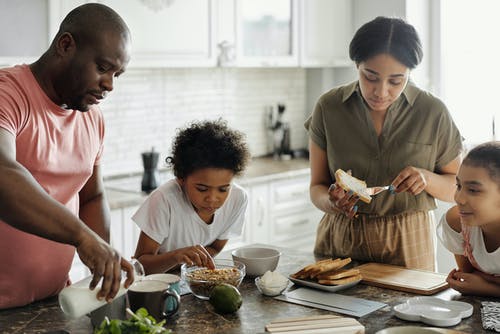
<point>487,156</point>
<point>387,35</point>
<point>208,144</point>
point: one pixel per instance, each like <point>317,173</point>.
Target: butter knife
<point>377,190</point>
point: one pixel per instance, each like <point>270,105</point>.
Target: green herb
<point>139,323</point>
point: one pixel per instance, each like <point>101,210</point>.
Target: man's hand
<point>104,262</point>
<point>195,255</point>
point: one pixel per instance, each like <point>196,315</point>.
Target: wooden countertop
<point>196,316</point>
<point>126,191</point>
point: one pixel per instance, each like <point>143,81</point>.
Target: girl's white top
<point>455,243</point>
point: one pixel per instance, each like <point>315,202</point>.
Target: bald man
<point>51,139</point>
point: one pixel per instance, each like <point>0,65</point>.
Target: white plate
<point>433,311</point>
<point>329,288</point>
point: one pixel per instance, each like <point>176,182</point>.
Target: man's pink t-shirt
<point>60,148</point>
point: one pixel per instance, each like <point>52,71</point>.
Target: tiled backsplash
<point>147,106</point>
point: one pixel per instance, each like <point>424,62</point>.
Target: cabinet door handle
<point>260,205</point>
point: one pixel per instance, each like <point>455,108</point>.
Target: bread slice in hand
<point>349,182</point>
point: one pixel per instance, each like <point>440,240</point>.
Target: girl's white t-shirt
<point>168,217</point>
<point>455,243</point>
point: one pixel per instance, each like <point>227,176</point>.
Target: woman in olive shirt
<point>386,131</point>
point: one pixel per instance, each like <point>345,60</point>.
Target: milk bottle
<point>77,299</point>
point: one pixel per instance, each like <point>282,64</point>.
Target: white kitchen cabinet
<point>325,32</point>
<point>124,232</point>
<point>23,31</point>
<point>180,34</point>
<point>259,213</point>
<point>281,213</point>
<point>266,33</point>
<point>286,33</point>
<point>256,217</point>
<point>293,218</point>
<point>244,238</point>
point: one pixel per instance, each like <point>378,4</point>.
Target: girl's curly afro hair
<point>208,144</point>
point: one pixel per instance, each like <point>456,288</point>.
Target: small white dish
<point>271,291</point>
<point>433,311</point>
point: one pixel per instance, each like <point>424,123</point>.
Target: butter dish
<point>433,311</point>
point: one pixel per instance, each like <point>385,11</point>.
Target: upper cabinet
<point>168,33</point>
<point>325,32</point>
<point>23,31</point>
<point>285,33</point>
<point>198,33</point>
<point>266,33</point>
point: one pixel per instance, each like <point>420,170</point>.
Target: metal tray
<point>329,288</point>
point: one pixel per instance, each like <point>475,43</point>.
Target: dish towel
<point>490,315</point>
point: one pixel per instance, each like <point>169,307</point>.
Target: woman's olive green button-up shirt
<point>418,131</point>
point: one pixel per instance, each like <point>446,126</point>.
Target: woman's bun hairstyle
<point>385,35</point>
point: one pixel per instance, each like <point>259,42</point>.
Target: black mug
<point>152,295</point>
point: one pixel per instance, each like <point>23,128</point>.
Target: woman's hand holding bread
<point>346,191</point>
<point>343,201</point>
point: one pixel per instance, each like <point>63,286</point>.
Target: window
<point>470,66</point>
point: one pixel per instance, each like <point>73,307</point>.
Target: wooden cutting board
<point>402,279</point>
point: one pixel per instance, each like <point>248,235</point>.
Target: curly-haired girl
<point>190,218</point>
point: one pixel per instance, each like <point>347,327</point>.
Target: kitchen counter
<point>197,316</point>
<point>125,191</point>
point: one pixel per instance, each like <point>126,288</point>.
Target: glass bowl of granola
<point>202,280</point>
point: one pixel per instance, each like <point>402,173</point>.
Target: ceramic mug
<point>175,285</point>
<point>153,295</point>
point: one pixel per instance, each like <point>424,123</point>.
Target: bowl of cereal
<point>202,280</point>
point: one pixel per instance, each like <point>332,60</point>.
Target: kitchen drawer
<point>298,224</point>
<point>289,194</point>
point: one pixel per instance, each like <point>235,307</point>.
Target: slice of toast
<point>340,281</point>
<point>311,268</point>
<point>349,182</point>
<point>333,266</point>
<point>339,274</point>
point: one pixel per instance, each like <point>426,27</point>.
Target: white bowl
<point>257,260</point>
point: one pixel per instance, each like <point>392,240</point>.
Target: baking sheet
<point>357,307</point>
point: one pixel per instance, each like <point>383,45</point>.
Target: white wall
<point>147,106</point>
<point>33,14</point>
